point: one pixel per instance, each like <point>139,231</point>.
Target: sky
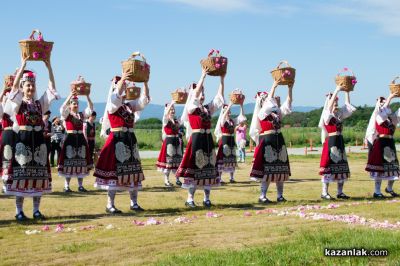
<point>318,38</point>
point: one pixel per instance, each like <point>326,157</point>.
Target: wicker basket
<point>284,75</point>
<point>215,65</point>
<point>237,97</point>
<point>81,87</point>
<point>137,70</point>
<point>395,88</point>
<point>36,49</point>
<point>132,93</point>
<point>179,96</point>
<point>8,81</point>
<point>346,81</point>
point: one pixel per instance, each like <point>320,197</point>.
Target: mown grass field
<point>239,236</point>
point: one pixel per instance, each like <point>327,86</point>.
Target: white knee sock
<point>207,192</point>
<point>67,181</point>
<point>264,189</point>
<point>390,185</point>
<point>80,182</point>
<point>325,186</point>
<point>378,184</point>
<point>134,195</point>
<point>166,177</point>
<point>340,187</point>
<point>191,192</point>
<point>111,198</point>
<point>19,203</point>
<point>36,204</point>
<point>279,188</point>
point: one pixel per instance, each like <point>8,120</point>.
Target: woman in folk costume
<point>29,174</point>
<point>8,135</point>
<point>333,165</point>
<point>89,131</point>
<point>382,157</point>
<point>225,137</point>
<point>75,159</point>
<point>119,166</point>
<point>270,162</point>
<point>198,164</point>
<point>171,151</point>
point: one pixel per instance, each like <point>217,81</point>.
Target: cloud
<point>221,5</point>
<point>383,13</point>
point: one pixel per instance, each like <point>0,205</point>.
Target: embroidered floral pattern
<point>82,152</point>
<point>70,152</point>
<point>40,155</point>
<point>228,151</point>
<point>122,152</point>
<point>171,150</point>
<point>7,152</point>
<point>388,154</point>
<point>336,155</point>
<point>23,154</point>
<point>283,154</point>
<point>202,159</point>
<point>270,155</point>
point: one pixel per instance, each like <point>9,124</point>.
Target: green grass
<point>230,239</point>
<point>303,248</point>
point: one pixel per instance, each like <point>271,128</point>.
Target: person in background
<point>89,130</point>
<point>47,130</point>
<point>56,139</point>
<point>241,130</point>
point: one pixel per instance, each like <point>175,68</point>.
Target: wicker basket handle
<point>134,54</point>
<point>283,62</point>
<point>394,80</point>
<point>32,36</point>
<point>344,70</point>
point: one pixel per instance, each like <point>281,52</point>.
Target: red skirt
<point>226,155</point>
<point>333,165</point>
<point>382,159</point>
<point>271,161</point>
<point>74,158</point>
<point>119,166</point>
<point>170,154</point>
<point>198,166</point>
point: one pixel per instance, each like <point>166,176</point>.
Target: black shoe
<point>222,182</point>
<point>264,200</point>
<point>232,181</point>
<point>178,183</point>
<point>137,208</point>
<point>82,189</point>
<point>112,210</point>
<point>392,193</point>
<point>379,196</point>
<point>342,196</point>
<point>281,199</point>
<point>67,190</point>
<point>327,197</point>
<point>20,217</point>
<point>190,204</point>
<point>38,215</point>
<point>207,203</point>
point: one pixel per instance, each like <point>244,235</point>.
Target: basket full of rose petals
<point>36,49</point>
<point>395,87</point>
<point>179,96</point>
<point>346,79</point>
<point>81,86</point>
<point>137,70</point>
<point>284,75</point>
<point>237,96</point>
<point>215,64</point>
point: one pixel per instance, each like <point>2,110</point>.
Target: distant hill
<point>156,110</point>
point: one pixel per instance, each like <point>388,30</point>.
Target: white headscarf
<point>255,126</point>
<point>105,125</point>
<point>218,131</point>
<point>185,114</point>
<point>167,106</point>
<point>321,124</point>
<point>371,134</point>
